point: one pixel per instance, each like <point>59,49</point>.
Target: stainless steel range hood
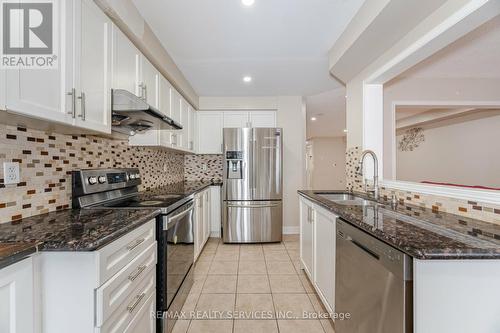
<point>132,115</point>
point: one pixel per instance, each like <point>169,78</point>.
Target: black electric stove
<point>118,189</point>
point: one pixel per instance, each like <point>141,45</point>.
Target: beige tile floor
<point>260,279</point>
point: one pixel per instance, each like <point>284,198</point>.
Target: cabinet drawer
<point>115,256</point>
<point>129,308</point>
<point>116,290</point>
<point>143,321</point>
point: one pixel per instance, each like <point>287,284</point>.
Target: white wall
<point>422,90</point>
<point>328,171</point>
<point>460,153</point>
<point>291,116</point>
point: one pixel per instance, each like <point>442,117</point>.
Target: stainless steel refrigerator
<point>253,185</point>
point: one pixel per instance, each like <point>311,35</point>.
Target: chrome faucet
<point>359,171</point>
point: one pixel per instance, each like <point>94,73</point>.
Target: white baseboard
<point>291,230</point>
<point>215,234</point>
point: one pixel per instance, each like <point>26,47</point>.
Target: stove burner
<point>150,203</point>
<point>167,196</point>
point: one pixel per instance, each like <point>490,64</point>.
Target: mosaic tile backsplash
<point>203,167</point>
<point>471,209</point>
<point>47,159</point>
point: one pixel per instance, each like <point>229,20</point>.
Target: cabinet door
<point>185,124</point>
<point>176,106</point>
<point>94,70</point>
<point>198,224</point>
<point>150,82</point>
<point>125,63</point>
<point>215,210</point>
<point>324,256</point>
<point>206,215</point>
<point>191,128</point>
<point>164,95</point>
<point>17,298</point>
<point>209,132</point>
<point>306,237</point>
<point>176,115</point>
<point>43,94</point>
<point>263,119</point>
<point>237,119</point>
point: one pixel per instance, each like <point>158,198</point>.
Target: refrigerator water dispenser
<point>234,160</point>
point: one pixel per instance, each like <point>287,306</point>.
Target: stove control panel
<point>90,181</point>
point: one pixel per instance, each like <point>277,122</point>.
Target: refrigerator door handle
<point>253,182</point>
<point>253,206</point>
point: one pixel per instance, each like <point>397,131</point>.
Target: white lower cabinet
<point>324,257</point>
<point>108,290</point>
<point>144,322</point>
<point>202,219</point>
<point>17,298</point>
<point>306,237</point>
<point>317,249</point>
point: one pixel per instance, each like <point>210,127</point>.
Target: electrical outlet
<point>11,173</point>
<point>204,167</point>
<point>165,167</point>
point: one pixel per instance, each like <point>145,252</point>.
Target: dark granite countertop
<point>417,231</point>
<point>80,229</point>
<point>13,252</point>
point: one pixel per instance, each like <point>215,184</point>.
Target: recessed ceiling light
<point>313,118</point>
<point>248,3</point>
<point>247,79</point>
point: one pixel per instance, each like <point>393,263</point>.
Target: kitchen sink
<point>346,199</point>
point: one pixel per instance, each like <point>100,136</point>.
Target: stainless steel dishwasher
<point>373,284</point>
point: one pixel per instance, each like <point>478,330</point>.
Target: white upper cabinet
<point>241,119</point>
<point>77,93</point>
<point>236,119</point>
<point>209,132</point>
<point>165,99</point>
<point>125,63</point>
<point>184,142</point>
<point>94,70</point>
<point>149,82</point>
<point>42,94</point>
<point>191,128</point>
<point>176,106</point>
<point>262,118</point>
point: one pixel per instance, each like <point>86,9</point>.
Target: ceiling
<point>329,109</point>
<point>475,55</point>
<point>282,44</point>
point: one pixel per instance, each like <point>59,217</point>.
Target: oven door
<point>175,260</point>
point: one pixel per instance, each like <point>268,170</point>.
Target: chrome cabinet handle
<point>174,143</point>
<point>72,93</point>
<point>138,242</point>
<point>141,90</point>
<point>145,87</point>
<point>136,302</point>
<point>83,113</point>
<point>138,272</point>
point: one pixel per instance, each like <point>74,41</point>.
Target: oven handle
<point>170,220</point>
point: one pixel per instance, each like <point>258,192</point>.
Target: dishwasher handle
<point>363,248</point>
